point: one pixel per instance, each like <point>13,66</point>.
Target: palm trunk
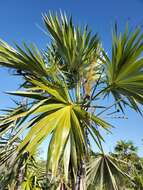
<point>63,187</point>
<point>80,183</point>
<point>20,178</point>
<point>77,186</point>
<point>21,170</point>
<point>81,173</point>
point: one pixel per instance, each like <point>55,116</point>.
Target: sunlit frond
<point>125,68</point>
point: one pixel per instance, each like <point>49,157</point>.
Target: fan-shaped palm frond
<point>29,60</point>
<point>58,116</point>
<point>75,51</point>
<point>125,68</point>
<point>103,173</point>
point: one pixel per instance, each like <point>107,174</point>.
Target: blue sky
<point>19,20</point>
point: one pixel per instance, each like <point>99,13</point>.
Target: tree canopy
<point>63,89</point>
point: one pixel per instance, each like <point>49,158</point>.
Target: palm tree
<point>125,149</point>
<point>65,85</point>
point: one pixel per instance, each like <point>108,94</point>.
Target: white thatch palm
<point>64,84</point>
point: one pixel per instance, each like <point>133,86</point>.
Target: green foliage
<point>103,172</point>
<point>63,87</point>
<point>124,68</point>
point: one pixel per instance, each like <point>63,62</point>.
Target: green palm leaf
<point>124,75</point>
<point>103,173</point>
<point>73,50</point>
<point>28,60</point>
<point>61,121</point>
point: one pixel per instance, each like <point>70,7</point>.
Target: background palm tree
<point>127,152</point>
<point>125,149</point>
